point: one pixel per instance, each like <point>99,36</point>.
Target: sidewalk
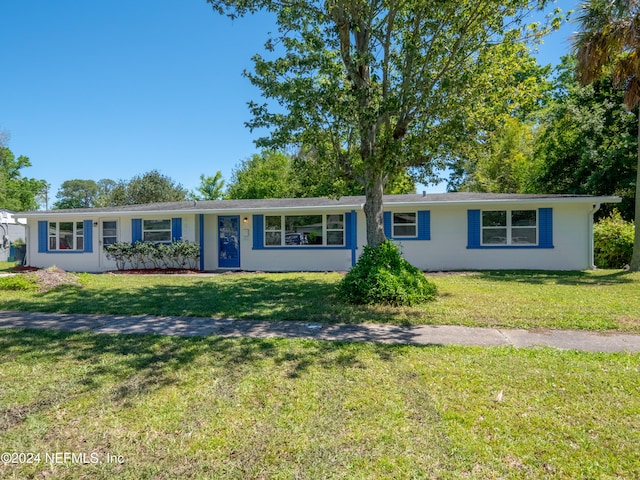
<point>391,334</point>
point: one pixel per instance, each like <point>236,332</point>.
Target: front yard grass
<point>156,407</point>
<point>7,266</point>
<point>591,300</point>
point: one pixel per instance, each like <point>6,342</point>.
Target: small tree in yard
<point>383,276</point>
<point>375,88</point>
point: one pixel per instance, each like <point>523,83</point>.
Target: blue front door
<point>229,241</point>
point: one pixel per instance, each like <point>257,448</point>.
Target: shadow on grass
<point>249,297</point>
<point>540,277</point>
<point>128,367</point>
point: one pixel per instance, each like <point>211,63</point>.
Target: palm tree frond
<point>609,36</point>
<point>632,93</point>
<point>593,51</point>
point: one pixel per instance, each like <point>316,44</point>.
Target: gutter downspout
<point>27,240</point>
<point>590,254</point>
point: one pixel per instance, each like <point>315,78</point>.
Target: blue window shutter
<point>176,229</point>
<point>424,225</point>
<point>43,236</point>
<point>88,236</point>
<point>473,228</point>
<point>201,238</point>
<point>258,232</point>
<point>545,222</point>
<point>351,233</point>
<point>387,224</point>
<point>350,229</point>
<point>136,230</point>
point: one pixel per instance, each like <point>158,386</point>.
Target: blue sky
<point>114,89</point>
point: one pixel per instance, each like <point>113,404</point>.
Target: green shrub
<point>383,276</point>
<point>613,241</point>
<point>178,254</point>
<point>18,282</point>
<point>120,252</point>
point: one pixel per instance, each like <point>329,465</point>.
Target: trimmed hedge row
<point>178,254</point>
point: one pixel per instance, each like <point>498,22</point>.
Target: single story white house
<point>449,231</point>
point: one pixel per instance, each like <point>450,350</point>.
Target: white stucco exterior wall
<point>96,260</point>
<point>279,259</point>
<point>447,249</point>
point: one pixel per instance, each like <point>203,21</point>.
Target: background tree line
<point>567,138</point>
<point>579,139</point>
<point>562,138</point>
<point>269,174</point>
<point>17,193</point>
<point>149,187</point>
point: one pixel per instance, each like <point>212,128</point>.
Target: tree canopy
<point>146,188</point>
<point>267,175</point>
<point>149,187</point>
<point>503,164</point>
<point>377,88</point>
<point>211,187</point>
<point>17,192</point>
<point>586,141</point>
<point>580,139</point>
<point>76,194</point>
<point>279,175</point>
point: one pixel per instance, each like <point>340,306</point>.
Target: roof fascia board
<point>221,211</point>
<point>338,207</point>
<point>547,200</point>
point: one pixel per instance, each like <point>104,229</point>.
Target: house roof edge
<point>321,203</point>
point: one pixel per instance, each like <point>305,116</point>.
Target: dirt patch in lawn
<point>54,277</point>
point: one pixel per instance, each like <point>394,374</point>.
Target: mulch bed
<point>131,271</point>
<point>154,271</point>
<point>22,268</point>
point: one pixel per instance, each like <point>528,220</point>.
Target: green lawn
<point>6,266</point>
<point>165,407</point>
<point>592,300</point>
<point>171,407</point>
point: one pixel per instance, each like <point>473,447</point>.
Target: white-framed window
<point>335,230</point>
<point>156,230</point>
<point>273,230</point>
<point>66,235</point>
<point>308,230</point>
<point>509,227</point>
<point>405,224</point>
<point>109,232</point>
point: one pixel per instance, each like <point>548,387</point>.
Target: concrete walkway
<point>415,335</point>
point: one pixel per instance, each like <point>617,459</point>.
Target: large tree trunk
<point>635,259</point>
<point>373,209</point>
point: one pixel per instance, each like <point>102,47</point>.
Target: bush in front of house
<point>383,276</point>
<point>178,254</point>
<point>613,241</point>
<point>18,283</point>
<point>120,252</point>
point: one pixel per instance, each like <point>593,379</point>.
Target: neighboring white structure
<point>11,230</point>
<point>451,231</point>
